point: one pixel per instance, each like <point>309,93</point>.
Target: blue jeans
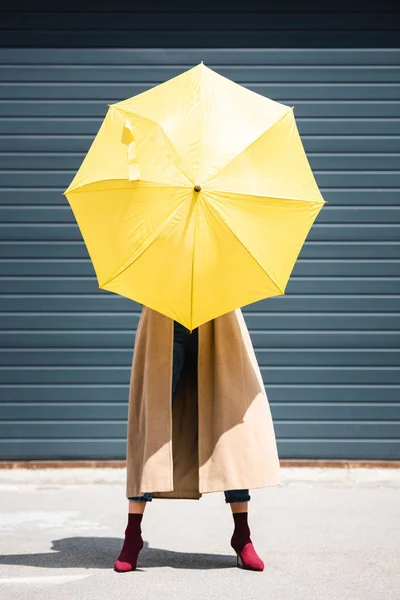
<point>184,341</point>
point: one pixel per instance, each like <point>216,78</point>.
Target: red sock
<point>241,534</point>
<point>132,545</point>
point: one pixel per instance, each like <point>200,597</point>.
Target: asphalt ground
<point>323,534</point>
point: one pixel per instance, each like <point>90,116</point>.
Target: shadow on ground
<point>101,552</point>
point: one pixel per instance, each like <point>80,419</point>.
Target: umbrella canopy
<point>195,197</point>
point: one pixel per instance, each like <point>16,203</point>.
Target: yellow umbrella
<point>195,197</point>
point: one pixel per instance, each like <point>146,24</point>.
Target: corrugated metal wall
<point>329,350</point>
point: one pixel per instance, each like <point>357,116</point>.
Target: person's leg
<point>137,504</point>
<point>181,340</point>
<point>241,541</point>
<point>133,542</point>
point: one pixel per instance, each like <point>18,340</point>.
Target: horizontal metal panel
<point>307,6</point>
<point>112,303</point>
<point>209,21</point>
<point>156,74</point>
<point>339,179</point>
<point>306,285</point>
<point>330,214</point>
<point>319,232</point>
<point>188,56</point>
<point>321,339</point>
<point>77,250</point>
<point>303,268</point>
<point>324,161</point>
<point>71,411</point>
<point>337,430</point>
<point>96,108</point>
<point>68,321</point>
<point>340,449</point>
<point>326,375</point>
<point>77,393</point>
<point>116,449</point>
<point>14,321</point>
<point>18,449</point>
<point>312,143</point>
<point>70,375</point>
<point>117,429</point>
<point>64,429</point>
<point>311,250</point>
<point>89,126</point>
<point>116,92</point>
<point>99,393</point>
<point>298,411</point>
<point>99,357</point>
<point>261,339</point>
<point>188,38</point>
<point>335,197</point>
<point>80,411</point>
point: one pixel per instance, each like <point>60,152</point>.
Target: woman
<point>198,422</point>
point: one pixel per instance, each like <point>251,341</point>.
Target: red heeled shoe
<point>249,559</point>
<point>133,543</point>
<point>246,556</point>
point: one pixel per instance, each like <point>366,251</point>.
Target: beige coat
<point>219,434</point>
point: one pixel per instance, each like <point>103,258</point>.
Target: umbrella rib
<point>290,109</point>
<point>219,216</point>
<point>195,210</point>
<point>147,183</point>
<point>275,197</point>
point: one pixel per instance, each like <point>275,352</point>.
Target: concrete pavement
<point>323,534</point>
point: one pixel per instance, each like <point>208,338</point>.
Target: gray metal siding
<point>329,351</point>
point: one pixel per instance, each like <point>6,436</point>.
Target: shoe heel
<point>238,561</point>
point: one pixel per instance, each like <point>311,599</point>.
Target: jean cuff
<point>140,499</point>
<point>238,499</point>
